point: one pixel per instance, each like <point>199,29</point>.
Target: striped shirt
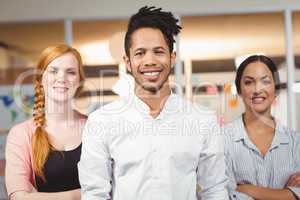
<point>246,165</point>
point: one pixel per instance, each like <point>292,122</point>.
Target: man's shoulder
<point>197,110</point>
<point>112,109</point>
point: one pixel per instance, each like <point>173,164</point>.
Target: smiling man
<point>152,145</point>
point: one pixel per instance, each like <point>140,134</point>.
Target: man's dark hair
<point>257,58</point>
<point>152,17</point>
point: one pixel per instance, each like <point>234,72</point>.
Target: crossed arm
<point>18,171</point>
<point>250,192</point>
<point>34,195</point>
<point>263,193</point>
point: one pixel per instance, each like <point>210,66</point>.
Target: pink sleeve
<point>18,170</point>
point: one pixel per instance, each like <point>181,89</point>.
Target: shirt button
<point>199,188</point>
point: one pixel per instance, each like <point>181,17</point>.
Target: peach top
<point>19,174</point>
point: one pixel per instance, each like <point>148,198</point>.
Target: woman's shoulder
<point>82,118</point>
<point>234,126</point>
<point>284,129</point>
<point>22,130</point>
<point>80,115</point>
<point>289,136</point>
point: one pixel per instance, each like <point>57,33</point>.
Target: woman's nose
<point>61,76</point>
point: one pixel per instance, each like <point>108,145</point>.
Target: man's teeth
<point>151,73</point>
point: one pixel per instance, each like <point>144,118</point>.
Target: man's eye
<point>138,53</point>
<point>159,52</point>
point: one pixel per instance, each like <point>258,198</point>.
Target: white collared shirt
<point>128,155</point>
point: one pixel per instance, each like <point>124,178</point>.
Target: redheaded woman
<point>42,152</point>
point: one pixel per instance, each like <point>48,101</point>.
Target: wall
<point>16,10</point>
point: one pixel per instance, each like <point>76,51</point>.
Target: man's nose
<point>149,59</point>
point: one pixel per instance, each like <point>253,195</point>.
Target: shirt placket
<point>157,162</point>
<point>263,173</point>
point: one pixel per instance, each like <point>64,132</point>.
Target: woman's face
<point>257,88</point>
<point>61,78</point>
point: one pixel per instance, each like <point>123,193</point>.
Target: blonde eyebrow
<point>56,68</point>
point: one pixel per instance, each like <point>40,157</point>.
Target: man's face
<point>149,59</point>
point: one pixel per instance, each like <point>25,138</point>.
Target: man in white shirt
<point>152,145</point>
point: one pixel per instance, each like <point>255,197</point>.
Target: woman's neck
<point>59,112</point>
<point>259,121</point>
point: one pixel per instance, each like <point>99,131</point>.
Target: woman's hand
<point>75,194</point>
<point>294,180</point>
<point>34,195</point>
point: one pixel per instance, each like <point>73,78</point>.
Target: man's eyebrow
<point>159,47</point>
<point>139,49</point>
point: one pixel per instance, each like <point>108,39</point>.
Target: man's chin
<point>153,89</point>
<point>148,86</point>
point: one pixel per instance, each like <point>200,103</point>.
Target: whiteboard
<point>16,102</point>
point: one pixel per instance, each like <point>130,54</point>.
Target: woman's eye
<point>72,72</point>
<point>53,71</point>
<point>247,82</point>
<point>266,82</point>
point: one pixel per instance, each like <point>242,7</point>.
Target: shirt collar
<point>240,134</point>
<point>281,136</point>
<point>280,133</point>
<point>169,106</point>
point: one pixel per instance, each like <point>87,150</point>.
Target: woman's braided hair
<point>40,141</point>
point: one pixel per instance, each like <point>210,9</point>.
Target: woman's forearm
<point>68,195</point>
<point>262,193</point>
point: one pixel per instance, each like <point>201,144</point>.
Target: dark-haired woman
<point>42,153</point>
<point>262,155</point>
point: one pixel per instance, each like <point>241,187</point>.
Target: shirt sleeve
<point>235,195</point>
<point>95,166</point>
<point>211,179</point>
<point>231,186</point>
<point>296,191</point>
<point>18,170</point>
<point>296,150</point>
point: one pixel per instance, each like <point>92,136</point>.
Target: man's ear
<point>173,58</point>
<point>127,63</point>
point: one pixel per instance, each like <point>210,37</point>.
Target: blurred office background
<point>216,36</point>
